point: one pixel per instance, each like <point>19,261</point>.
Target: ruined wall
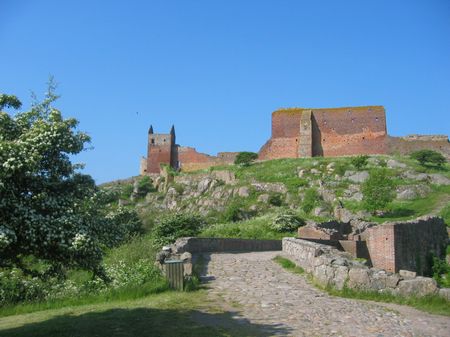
<point>191,160</point>
<point>349,131</point>
<point>406,145</point>
<point>333,132</point>
<point>406,245</point>
<point>161,149</point>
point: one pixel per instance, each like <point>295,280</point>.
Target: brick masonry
<point>407,245</point>
<point>330,132</point>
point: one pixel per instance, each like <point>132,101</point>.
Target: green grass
<point>432,304</point>
<point>445,214</point>
<point>410,209</point>
<point>168,314</point>
<point>255,228</point>
<point>288,265</point>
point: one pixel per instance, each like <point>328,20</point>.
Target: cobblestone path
<point>284,304</point>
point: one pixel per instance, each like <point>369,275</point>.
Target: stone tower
<point>162,149</point>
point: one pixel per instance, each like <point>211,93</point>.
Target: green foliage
<point>9,101</point>
<point>236,211</point>
<point>429,158</point>
<point>378,190</point>
<point>173,226</point>
<point>255,228</point>
<point>382,162</point>
<point>145,185</point>
<point>441,272</point>
<point>310,200</point>
<point>288,265</point>
<point>359,162</point>
<point>275,199</point>
<point>445,214</point>
<point>245,158</point>
<point>47,209</point>
<point>287,221</point>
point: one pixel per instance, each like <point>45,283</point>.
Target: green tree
<point>173,226</point>
<point>378,190</point>
<point>48,210</point>
<point>245,158</point>
<point>428,157</point>
<point>359,161</point>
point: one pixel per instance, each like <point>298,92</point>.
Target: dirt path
<point>284,304</point>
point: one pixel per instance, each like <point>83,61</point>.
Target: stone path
<point>284,304</point>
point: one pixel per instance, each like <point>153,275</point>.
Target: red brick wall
<point>349,131</point>
<point>335,132</point>
<point>406,145</point>
<point>158,155</point>
<point>381,245</point>
<point>286,123</point>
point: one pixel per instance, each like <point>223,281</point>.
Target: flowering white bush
<point>47,209</point>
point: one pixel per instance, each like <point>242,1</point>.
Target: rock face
<point>419,286</point>
<point>358,177</point>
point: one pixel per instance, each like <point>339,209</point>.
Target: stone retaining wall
<point>204,245</point>
<point>331,267</point>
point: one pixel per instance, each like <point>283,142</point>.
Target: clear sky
<point>218,68</point>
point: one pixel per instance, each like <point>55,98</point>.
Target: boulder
<point>358,278</point>
<point>340,277</point>
<point>419,286</point>
<point>359,177</point>
<point>444,293</point>
<point>301,172</point>
<point>243,191</point>
<point>406,274</point>
<point>264,198</point>
<point>439,179</point>
<point>391,163</point>
<point>415,176</point>
<point>270,187</point>
<point>321,212</point>
<point>203,185</point>
<point>226,176</point>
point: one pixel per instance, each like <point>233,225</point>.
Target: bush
<point>145,185</point>
<point>275,199</point>
<point>173,226</point>
<point>428,158</point>
<point>245,158</point>
<point>310,200</point>
<point>378,190</point>
<point>441,272</point>
<point>359,162</point>
<point>286,222</point>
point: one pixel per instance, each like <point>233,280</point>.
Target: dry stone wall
<point>330,267</point>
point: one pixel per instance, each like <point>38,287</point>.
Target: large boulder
<point>391,163</point>
<point>358,278</point>
<point>270,187</point>
<point>226,176</point>
<point>419,286</point>
<point>439,179</point>
<point>359,177</point>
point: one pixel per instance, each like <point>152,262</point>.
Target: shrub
<point>275,199</point>
<point>245,158</point>
<point>359,161</point>
<point>428,157</point>
<point>310,200</point>
<point>378,190</point>
<point>145,185</point>
<point>441,272</point>
<point>286,222</point>
<point>173,226</point>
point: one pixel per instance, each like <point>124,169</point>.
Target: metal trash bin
<point>174,270</point>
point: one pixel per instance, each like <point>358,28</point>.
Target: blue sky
<point>217,69</point>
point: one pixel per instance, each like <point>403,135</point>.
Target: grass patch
<point>288,265</point>
<point>445,214</point>
<point>169,314</point>
<point>432,304</point>
<point>255,228</point>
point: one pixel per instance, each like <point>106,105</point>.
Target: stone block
<point>419,286</point>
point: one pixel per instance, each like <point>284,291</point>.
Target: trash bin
<point>174,273</point>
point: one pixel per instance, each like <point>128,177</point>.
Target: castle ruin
<point>301,132</point>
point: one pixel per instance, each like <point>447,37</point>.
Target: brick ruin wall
<point>156,156</point>
<point>191,160</point>
<point>406,145</point>
<point>407,245</point>
<point>335,132</point>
